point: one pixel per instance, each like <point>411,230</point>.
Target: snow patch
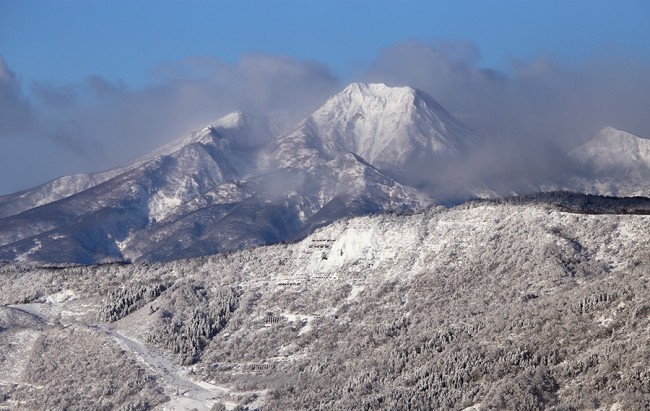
<point>355,291</point>
<point>24,256</point>
<point>61,297</point>
<point>162,205</point>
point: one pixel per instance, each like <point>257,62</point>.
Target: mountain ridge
<point>208,192</point>
<point>232,184</point>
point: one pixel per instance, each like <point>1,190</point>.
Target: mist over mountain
<point>228,186</point>
<point>235,184</point>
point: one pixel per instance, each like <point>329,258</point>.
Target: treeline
<point>579,202</point>
<point>123,301</point>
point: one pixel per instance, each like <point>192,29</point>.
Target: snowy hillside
<point>484,306</point>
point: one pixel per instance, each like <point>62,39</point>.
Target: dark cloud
<point>16,113</point>
<point>50,94</point>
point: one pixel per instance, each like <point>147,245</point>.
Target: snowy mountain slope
<point>612,148</point>
<point>16,203</point>
<point>126,230</point>
<point>245,215</point>
<point>169,184</point>
<point>615,163</point>
<point>490,306</point>
<point>235,129</point>
<point>386,126</point>
<point>231,185</point>
<point>214,190</point>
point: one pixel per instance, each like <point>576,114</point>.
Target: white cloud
<point>530,115</point>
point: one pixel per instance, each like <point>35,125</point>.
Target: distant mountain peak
<point>615,162</point>
<point>614,148</point>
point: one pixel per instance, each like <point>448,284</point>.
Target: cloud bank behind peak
<point>527,113</point>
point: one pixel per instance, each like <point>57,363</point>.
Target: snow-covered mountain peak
<point>236,128</point>
<point>387,126</point>
<point>614,148</point>
<point>366,101</point>
<point>614,162</point>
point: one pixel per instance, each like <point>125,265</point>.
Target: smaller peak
<point>231,120</point>
<point>608,131</point>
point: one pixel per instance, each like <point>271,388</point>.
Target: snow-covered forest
<point>485,306</point>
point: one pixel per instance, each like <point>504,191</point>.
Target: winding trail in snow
<point>185,393</point>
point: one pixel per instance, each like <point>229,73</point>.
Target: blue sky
<point>68,40</point>
<point>86,74</point>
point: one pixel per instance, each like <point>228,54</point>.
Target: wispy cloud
<point>529,115</point>
<point>542,96</point>
<point>103,123</point>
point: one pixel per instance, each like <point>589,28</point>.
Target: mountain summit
<point>612,148</point>
<point>386,126</point>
